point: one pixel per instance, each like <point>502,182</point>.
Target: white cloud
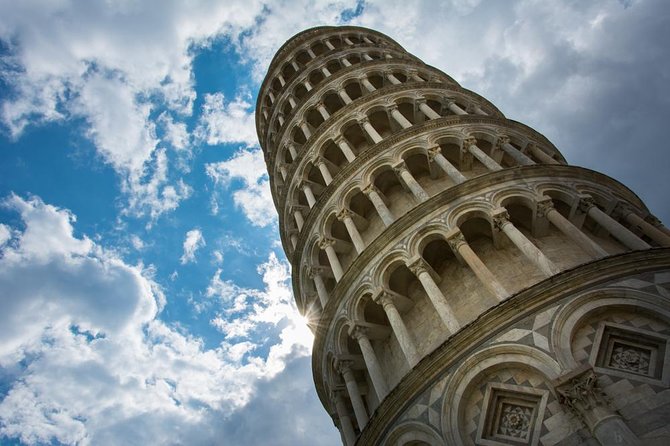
<point>5,234</point>
<point>176,133</point>
<point>254,198</point>
<point>112,63</point>
<point>137,242</point>
<point>224,123</point>
<point>92,364</point>
<point>193,241</point>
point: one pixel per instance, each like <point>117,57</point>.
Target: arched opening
<point>303,58</point>
<point>361,205</point>
<point>353,90</point>
<point>399,201</point>
<point>333,154</point>
<point>300,91</point>
<point>380,121</point>
<point>316,76</point>
<point>319,48</point>
<point>354,135</point>
<point>332,102</point>
<point>314,118</point>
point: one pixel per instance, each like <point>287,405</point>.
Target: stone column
<point>415,76</point>
<point>616,229</point>
<point>293,152</point>
<point>367,57</point>
<point>344,367</point>
<point>429,112</point>
<point>528,249</point>
<point>347,41</point>
<point>520,158</point>
<point>366,40</point>
<point>629,215</point>
<point>455,108</point>
<point>655,222</point>
<point>580,393</point>
<point>316,274</point>
<point>406,177</point>
<point>325,173</point>
<point>283,171</point>
<point>295,65</point>
<point>272,96</point>
<point>326,244</point>
<point>540,154</point>
<point>399,118</point>
<point>307,85</point>
<point>435,154</point>
<point>280,118</point>
<point>419,268</point>
<point>366,83</point>
<point>305,129</point>
<point>546,208</point>
<point>375,198</point>
<point>307,190</point>
<point>394,80</point>
<point>294,239</point>
<point>344,147</point>
<point>299,220</point>
<point>281,79</point>
<point>322,110</point>
<point>345,419</point>
<point>370,357</point>
<point>325,72</point>
<point>328,44</point>
<point>399,329</point>
<point>345,217</point>
<point>369,129</point>
<point>311,53</point>
<point>462,249</point>
<point>345,62</point>
<point>292,102</point>
<point>470,145</point>
<point>345,97</point>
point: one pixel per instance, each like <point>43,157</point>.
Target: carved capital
<point>653,220</point>
<point>455,239</point>
<point>544,206</point>
<point>469,141</point>
<point>325,242</point>
<point>579,391</point>
<point>358,332</point>
<point>433,152</point>
<point>417,265</point>
<point>313,271</point>
<point>398,168</point>
<point>502,140</point>
<point>343,214</point>
<point>500,219</point>
<point>622,209</point>
<point>344,366</point>
<point>586,203</point>
<point>383,298</point>
<point>369,188</point>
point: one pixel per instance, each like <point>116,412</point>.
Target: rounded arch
<point>479,364</point>
<point>413,433</point>
<point>572,314</point>
<point>434,230</point>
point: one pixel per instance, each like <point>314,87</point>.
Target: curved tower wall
<point>436,245</point>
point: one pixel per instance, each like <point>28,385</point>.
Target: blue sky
<point>144,294</point>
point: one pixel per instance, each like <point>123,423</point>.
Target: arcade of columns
<point>464,284</point>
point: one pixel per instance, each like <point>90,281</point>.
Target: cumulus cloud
<point>254,197</point>
<point>112,64</point>
<point>193,241</point>
<point>223,123</point>
<point>92,364</point>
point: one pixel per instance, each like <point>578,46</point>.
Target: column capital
<point>391,106</point>
<point>313,271</point>
<point>325,242</point>
<point>653,220</point>
<point>359,332</point>
<point>455,239</point>
<point>399,167</point>
<point>579,391</point>
<point>383,298</point>
<point>502,140</point>
<point>298,208</point>
<point>369,188</point>
<point>500,218</point>
<point>544,205</point>
<point>469,141</point>
<point>622,209</point>
<point>319,103</point>
<point>586,202</point>
<point>417,265</point>
<point>343,366</point>
<point>433,152</point>
<point>362,119</point>
<point>343,214</point>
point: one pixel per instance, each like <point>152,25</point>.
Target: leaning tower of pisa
<point>465,285</point>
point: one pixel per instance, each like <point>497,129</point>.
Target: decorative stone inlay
<point>511,414</point>
<point>623,350</point>
<point>631,358</point>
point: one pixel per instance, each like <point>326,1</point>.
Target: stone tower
<point>465,285</point>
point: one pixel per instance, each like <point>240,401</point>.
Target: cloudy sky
<point>144,296</point>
